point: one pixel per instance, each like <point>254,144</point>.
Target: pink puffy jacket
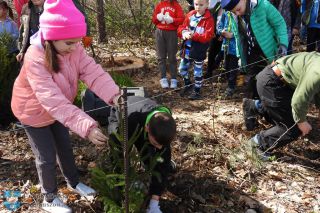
<point>41,97</point>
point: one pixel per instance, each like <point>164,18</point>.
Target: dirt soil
<point>217,171</point>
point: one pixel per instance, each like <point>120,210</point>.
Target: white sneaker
<point>83,190</point>
<point>56,206</point>
<point>173,84</point>
<point>164,83</point>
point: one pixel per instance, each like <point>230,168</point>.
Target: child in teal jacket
<point>261,36</point>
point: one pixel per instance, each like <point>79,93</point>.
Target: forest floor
<point>217,171</point>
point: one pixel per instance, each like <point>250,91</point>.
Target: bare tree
<point>101,23</point>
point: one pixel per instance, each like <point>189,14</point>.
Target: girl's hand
<point>97,137</point>
<point>19,57</point>
<point>115,100</point>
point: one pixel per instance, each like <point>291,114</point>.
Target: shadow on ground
<point>188,193</point>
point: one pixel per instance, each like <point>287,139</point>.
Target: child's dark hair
<point>51,55</point>
<point>4,5</point>
<point>163,128</point>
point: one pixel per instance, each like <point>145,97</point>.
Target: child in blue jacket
<point>229,49</point>
<point>311,11</point>
<point>8,26</point>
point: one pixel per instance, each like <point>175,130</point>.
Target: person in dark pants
<point>261,36</point>
<point>311,13</point>
<point>159,130</point>
<point>286,89</point>
<point>289,9</point>
<point>167,16</point>
<point>29,25</point>
<point>43,96</point>
<point>229,49</point>
<point>196,32</point>
<point>216,41</point>
<point>213,51</point>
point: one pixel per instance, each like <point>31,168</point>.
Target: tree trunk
<point>101,23</point>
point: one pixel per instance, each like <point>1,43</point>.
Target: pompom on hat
<point>229,4</point>
<point>61,20</point>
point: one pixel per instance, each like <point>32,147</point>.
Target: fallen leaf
<point>274,175</point>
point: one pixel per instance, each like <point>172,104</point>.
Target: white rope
<point>159,95</point>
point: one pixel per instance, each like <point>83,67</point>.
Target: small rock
<point>230,203</point>
<point>251,211</point>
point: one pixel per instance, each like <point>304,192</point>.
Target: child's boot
<point>195,95</point>
<point>187,88</point>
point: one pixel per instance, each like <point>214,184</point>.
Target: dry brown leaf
<point>66,191</point>
<point>274,175</point>
<point>308,195</point>
<point>28,200</point>
<point>280,187</point>
<point>72,197</point>
<point>92,164</point>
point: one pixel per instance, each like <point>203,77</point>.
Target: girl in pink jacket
<point>44,91</point>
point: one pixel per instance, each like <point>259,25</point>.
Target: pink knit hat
<point>61,20</point>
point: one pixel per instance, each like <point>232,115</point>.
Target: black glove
<point>282,51</point>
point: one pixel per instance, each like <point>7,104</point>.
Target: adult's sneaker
<point>249,113</point>
<point>255,146</point>
<point>56,206</point>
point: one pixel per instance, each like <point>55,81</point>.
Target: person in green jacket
<point>286,90</point>
<point>261,36</point>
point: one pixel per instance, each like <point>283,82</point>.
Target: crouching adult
<point>286,89</point>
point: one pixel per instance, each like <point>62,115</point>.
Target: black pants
<point>213,51</point>
<point>313,39</point>
<point>276,97</point>
<point>256,61</point>
<point>147,152</point>
<point>231,67</point>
